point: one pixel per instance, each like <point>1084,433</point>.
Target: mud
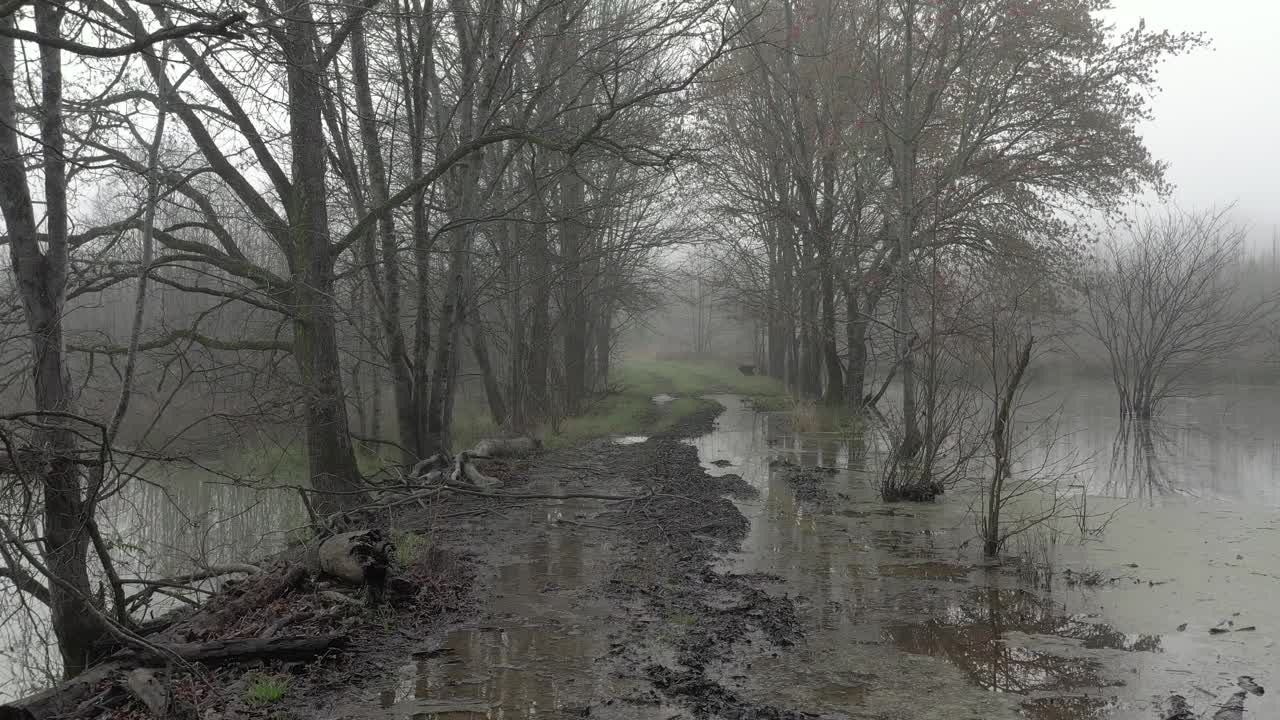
<point>594,609</point>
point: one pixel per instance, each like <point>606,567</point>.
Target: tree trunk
<point>834,394</point>
<point>811,343</point>
<point>573,320</point>
<point>905,162</point>
<point>492,389</point>
<point>856,333</point>
<point>539,320</point>
<point>330,455</point>
<point>452,318</point>
<point>40,277</point>
<point>386,288</point>
<point>604,347</point>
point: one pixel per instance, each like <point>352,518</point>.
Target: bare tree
<point>1162,302</point>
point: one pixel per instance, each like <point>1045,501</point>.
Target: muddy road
<point>734,589</point>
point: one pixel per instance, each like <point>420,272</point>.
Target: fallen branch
<point>151,691</point>
<point>78,696</point>
<point>464,471</point>
<point>266,588</point>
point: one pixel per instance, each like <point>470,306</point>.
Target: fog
<point>639,361</point>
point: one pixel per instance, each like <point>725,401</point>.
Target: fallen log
<point>466,473</point>
<point>506,447</point>
<point>219,652</point>
<point>62,700</point>
<point>70,699</point>
<point>439,461</point>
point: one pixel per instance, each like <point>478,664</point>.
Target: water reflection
<point>1224,443</point>
<point>973,635</point>
<point>167,522</point>
<point>542,651</point>
<point>1139,460</point>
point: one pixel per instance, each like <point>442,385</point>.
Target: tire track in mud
<point>704,616</point>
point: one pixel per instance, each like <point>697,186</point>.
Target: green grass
<point>265,689</point>
<point>408,545</point>
<point>687,378</point>
<point>631,410</point>
<point>682,619</point>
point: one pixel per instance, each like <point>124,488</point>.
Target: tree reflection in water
<point>1138,468</point>
<point>971,636</point>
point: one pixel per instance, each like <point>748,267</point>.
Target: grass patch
<point>687,378</point>
<point>266,689</point>
<point>682,619</point>
<point>770,403</point>
<point>409,546</point>
<point>630,410</point>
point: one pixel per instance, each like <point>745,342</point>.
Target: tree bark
<point>573,318</point>
<point>834,394</point>
<point>330,455</point>
<point>539,317</point>
<point>41,282</point>
<point>492,388</point>
<point>386,288</point>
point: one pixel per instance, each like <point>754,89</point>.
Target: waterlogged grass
<point>808,415</point>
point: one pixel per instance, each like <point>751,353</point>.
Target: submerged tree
<point>1162,302</point>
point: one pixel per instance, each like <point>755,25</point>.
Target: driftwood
<point>439,461</point>
<point>237,601</point>
<point>151,690</point>
<point>362,557</point>
<point>465,473</point>
<point>506,447</point>
<point>79,696</point>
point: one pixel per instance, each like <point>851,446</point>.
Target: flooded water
<point>175,521</point>
<point>904,619</point>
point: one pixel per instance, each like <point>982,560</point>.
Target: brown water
<point>903,618</point>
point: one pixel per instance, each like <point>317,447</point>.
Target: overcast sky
<point>1218,118</point>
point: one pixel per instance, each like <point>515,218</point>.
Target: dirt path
<point>587,607</point>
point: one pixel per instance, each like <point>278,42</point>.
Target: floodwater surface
<point>1173,596</point>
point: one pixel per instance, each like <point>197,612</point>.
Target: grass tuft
<point>266,689</point>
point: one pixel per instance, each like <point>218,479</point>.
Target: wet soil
<point>584,608</point>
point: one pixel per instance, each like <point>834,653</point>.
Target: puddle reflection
<point>973,635</point>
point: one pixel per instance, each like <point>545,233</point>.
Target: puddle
<point>630,439</point>
<point>663,398</point>
<point>1013,641</point>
